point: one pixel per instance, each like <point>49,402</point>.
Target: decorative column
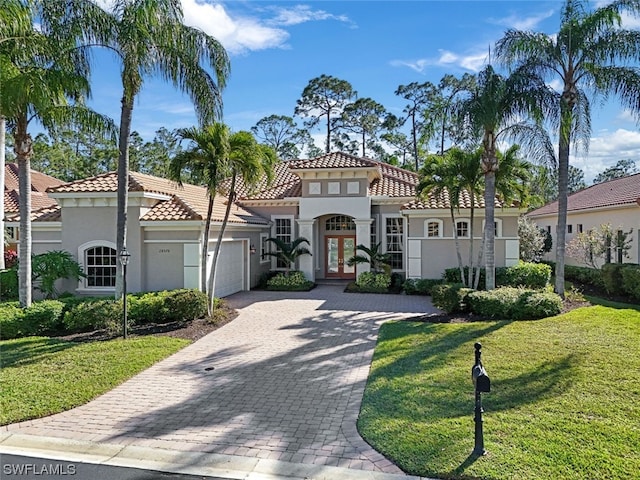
<point>363,237</point>
<point>305,229</point>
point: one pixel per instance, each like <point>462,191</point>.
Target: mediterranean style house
<point>336,201</point>
<point>615,202</point>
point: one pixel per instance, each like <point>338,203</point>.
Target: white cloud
<point>606,149</point>
<point>626,115</point>
<point>472,61</point>
<point>237,34</point>
<point>522,23</point>
<point>301,14</point>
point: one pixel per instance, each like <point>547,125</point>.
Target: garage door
<point>230,269</point>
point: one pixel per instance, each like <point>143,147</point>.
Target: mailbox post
<point>482,384</point>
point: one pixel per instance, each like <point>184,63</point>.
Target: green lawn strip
<point>564,393</point>
<point>41,376</point>
<point>610,303</point>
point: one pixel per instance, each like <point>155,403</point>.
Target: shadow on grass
<point>612,304</point>
<point>30,350</point>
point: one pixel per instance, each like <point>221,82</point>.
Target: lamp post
<point>124,256</point>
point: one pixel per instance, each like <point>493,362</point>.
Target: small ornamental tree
<point>599,245</point>
<point>379,261</point>
<point>532,240</point>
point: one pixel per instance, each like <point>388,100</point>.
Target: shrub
<point>631,280</point>
<point>148,308</point>
<point>374,282</point>
<point>452,275</point>
<point>40,318</point>
<point>527,274</point>
<point>498,303</point>
<point>533,305</point>
<point>52,266</point>
<point>421,286</point>
<point>451,297</point>
<point>612,277</point>
<point>584,275</point>
<point>10,258</point>
<point>185,305</point>
<point>94,315</point>
<point>264,278</point>
<point>9,284</point>
<point>293,281</point>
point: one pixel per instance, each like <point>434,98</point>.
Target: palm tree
<point>251,162</point>
<point>494,109</point>
<point>456,172</point>
<point>43,78</point>
<point>288,253</point>
<point>150,38</point>
<point>204,163</point>
<point>379,261</point>
<point>590,54</point>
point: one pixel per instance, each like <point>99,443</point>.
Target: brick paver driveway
<point>282,381</point>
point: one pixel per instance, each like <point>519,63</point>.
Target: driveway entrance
<point>283,381</point>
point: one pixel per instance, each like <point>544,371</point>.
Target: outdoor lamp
<point>124,256</point>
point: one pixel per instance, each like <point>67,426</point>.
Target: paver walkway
<point>283,381</point>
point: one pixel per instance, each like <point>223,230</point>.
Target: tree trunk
<point>328,146</point>
<point>471,270</point>
<point>205,245</point>
<point>415,139</point>
<point>216,253</point>
<point>123,186</point>
<point>24,148</point>
<point>476,280</point>
<point>489,228</point>
<point>3,128</point>
<point>457,244</point>
<point>561,227</point>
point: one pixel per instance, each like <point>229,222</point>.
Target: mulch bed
<point>192,330</point>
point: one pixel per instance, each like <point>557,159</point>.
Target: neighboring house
<point>336,201</point>
<point>39,198</point>
<point>616,202</point>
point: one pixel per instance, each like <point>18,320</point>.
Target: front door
<point>338,251</point>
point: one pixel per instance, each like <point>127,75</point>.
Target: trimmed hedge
<point>421,286</point>
<point>451,297</point>
<point>584,275</point>
<point>612,277</point>
<point>631,280</point>
<point>524,274</point>
<point>375,282</point>
<point>509,303</point>
<point>295,281</point>
<point>9,284</point>
<point>41,318</point>
<point>78,314</point>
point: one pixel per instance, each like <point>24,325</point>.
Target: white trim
<point>463,220</point>
<point>45,241</point>
<point>171,241</point>
<point>440,228</point>
<point>498,228</point>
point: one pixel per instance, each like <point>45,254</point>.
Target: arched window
<point>339,222</point>
<point>433,228</point>
<point>100,261</point>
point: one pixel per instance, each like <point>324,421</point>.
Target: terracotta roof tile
<point>442,201</point>
<point>39,184</point>
<point>620,191</point>
<point>47,214</point>
<point>334,160</point>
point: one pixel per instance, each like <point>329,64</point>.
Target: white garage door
<point>230,269</point>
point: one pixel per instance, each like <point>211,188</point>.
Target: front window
<point>101,264</point>
<point>338,223</point>
<point>394,240</point>
<point>374,231</point>
<point>433,229</point>
<point>11,233</point>
<point>264,248</point>
<point>283,232</point>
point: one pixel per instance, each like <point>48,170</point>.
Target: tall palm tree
<point>43,78</point>
<point>253,163</point>
<point>204,163</point>
<point>495,109</point>
<point>590,54</point>
<point>454,174</point>
<point>150,38</point>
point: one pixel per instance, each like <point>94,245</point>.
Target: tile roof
<point>620,191</point>
<point>442,201</point>
<point>185,202</point>
<point>393,182</point>
<point>39,184</point>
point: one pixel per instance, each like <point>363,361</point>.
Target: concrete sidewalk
<point>280,386</point>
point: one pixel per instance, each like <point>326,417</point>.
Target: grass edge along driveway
<point>41,376</point>
<point>565,399</point>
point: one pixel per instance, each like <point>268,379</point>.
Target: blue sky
<point>277,47</point>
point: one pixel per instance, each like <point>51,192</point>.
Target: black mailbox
<point>480,378</point>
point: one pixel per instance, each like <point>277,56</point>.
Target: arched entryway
<point>339,234</point>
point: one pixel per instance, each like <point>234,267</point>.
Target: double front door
<point>338,250</point>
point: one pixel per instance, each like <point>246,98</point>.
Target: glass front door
<point>338,251</point>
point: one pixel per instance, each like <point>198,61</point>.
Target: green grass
<point>565,398</point>
<point>610,303</point>
<point>41,376</point>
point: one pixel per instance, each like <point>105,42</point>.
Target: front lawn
<point>41,376</point>
<point>565,398</point>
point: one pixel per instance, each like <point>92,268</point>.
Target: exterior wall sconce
<point>252,249</point>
